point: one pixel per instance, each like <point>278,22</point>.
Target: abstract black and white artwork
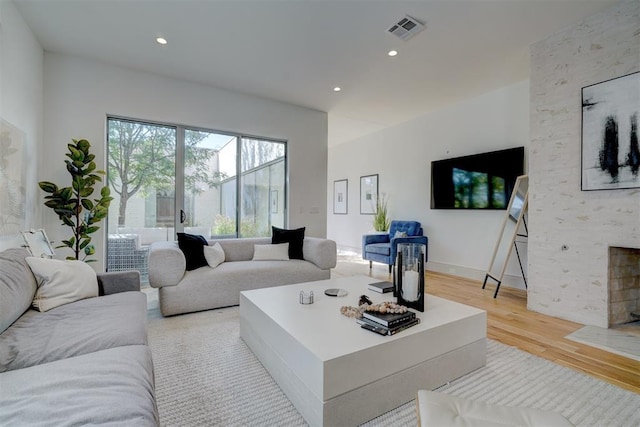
<point>610,152</point>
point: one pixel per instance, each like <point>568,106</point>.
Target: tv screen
<point>479,181</point>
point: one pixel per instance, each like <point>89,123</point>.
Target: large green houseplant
<point>73,205</point>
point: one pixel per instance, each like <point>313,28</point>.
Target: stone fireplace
<point>624,284</point>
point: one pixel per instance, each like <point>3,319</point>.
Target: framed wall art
<point>368,194</point>
<point>610,152</point>
<point>340,196</point>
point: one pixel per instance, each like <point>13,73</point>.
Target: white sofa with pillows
<point>194,274</point>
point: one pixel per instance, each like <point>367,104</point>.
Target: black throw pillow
<point>293,237</point>
<point>192,246</point>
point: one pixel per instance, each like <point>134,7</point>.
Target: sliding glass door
<point>166,179</point>
<point>211,201</point>
<point>210,160</point>
<point>262,186</point>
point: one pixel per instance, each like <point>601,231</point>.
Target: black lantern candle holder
<point>409,275</point>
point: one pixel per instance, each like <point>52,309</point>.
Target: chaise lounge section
<point>84,362</point>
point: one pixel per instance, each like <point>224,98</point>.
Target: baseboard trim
<point>509,280</point>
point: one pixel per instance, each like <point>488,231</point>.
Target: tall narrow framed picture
<point>274,201</point>
<point>340,196</point>
<point>610,152</point>
<point>368,194</point>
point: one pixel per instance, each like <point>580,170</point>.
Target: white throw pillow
<point>277,252</point>
<point>214,255</point>
<point>61,282</point>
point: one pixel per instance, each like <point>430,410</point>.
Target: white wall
<point>80,93</point>
<point>460,242</point>
<point>21,98</point>
<point>572,283</point>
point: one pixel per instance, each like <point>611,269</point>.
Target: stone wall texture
<point>571,230</point>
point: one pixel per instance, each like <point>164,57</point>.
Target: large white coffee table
<point>337,374</point>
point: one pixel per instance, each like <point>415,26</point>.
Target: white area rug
<point>206,375</point>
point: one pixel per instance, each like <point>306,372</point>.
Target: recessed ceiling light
<point>161,40</point>
<point>337,89</point>
<point>392,53</point>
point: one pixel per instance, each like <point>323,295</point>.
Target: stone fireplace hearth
<point>624,285</point>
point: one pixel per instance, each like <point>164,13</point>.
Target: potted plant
<point>381,219</point>
<point>73,205</point>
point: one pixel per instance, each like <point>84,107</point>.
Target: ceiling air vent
<point>406,28</point>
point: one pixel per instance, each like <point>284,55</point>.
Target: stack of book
<point>381,287</point>
<point>388,323</point>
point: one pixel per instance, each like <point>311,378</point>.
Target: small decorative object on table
<point>355,312</point>
<point>409,277</point>
<point>365,300</point>
<point>334,292</point>
<point>306,297</point>
<point>387,307</point>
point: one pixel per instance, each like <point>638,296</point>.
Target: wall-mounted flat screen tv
<point>479,181</point>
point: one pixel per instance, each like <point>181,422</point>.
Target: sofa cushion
<point>17,286</point>
<point>73,329</point>
<point>214,255</point>
<point>295,238</point>
<point>109,387</point>
<point>61,282</point>
<point>379,248</point>
<point>241,249</point>
<point>441,409</point>
<point>192,247</point>
<point>273,252</point>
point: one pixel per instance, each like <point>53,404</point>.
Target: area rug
<point>206,376</point>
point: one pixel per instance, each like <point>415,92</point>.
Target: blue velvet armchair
<point>383,247</point>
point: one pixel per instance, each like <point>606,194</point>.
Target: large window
<point>167,179</point>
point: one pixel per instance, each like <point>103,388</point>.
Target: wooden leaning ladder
<point>520,192</point>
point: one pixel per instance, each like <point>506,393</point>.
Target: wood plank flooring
<point>512,324</point>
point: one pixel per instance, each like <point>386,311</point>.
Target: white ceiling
<point>296,51</point>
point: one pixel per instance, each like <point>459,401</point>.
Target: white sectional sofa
<point>182,291</point>
<point>82,363</point>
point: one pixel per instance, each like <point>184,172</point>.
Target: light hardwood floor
<point>509,322</point>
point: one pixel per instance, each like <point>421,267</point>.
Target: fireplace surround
<point>623,284</point>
